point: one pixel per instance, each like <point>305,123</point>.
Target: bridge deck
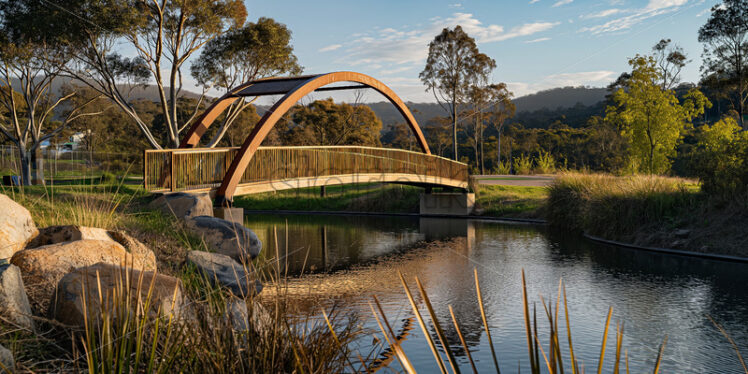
<point>279,168</point>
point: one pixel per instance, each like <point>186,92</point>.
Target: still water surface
<point>654,295</point>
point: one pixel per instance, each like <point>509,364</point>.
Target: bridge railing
<point>204,168</point>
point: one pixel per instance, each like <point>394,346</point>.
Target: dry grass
<point>610,206</point>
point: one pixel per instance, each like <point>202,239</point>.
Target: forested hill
<point>570,105</point>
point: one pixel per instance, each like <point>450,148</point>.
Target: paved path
<point>515,180</point>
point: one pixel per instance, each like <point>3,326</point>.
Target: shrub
<point>545,163</point>
<point>505,167</point>
<point>721,160</point>
<point>522,165</point>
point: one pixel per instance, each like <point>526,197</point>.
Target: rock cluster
<point>83,271</point>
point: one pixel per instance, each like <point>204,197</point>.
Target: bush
<point>522,165</point>
<point>721,160</point>
<point>505,167</point>
<point>545,163</point>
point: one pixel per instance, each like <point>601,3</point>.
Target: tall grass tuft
<point>552,354</point>
<point>611,206</point>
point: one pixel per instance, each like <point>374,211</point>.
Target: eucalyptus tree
<point>29,105</point>
<point>161,36</point>
<point>257,50</point>
<point>502,108</point>
<point>725,38</point>
<point>670,59</point>
<point>453,66</point>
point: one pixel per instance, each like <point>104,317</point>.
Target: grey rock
<point>16,227</point>
<point>14,304</point>
<point>6,360</point>
<point>184,205</point>
<point>227,238</point>
<point>226,272</point>
<point>682,233</point>
<point>239,315</point>
<point>67,304</point>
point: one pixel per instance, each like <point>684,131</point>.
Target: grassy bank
<point>650,211</point>
<point>496,201</point>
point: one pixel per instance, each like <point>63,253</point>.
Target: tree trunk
<point>482,155</point>
<point>498,152</point>
<point>37,166</point>
<point>25,166</point>
<point>454,132</point>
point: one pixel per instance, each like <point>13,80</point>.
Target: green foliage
<point>722,159</point>
<point>522,164</point>
<point>652,119</point>
<point>505,167</point>
<point>725,38</point>
<point>545,163</point>
<point>325,123</point>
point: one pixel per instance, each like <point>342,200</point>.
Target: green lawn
<point>511,201</point>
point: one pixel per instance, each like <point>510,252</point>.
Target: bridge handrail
<point>220,149</point>
<point>201,168</point>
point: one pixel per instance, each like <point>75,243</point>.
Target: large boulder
<point>61,234</point>
<point>67,306</point>
<point>225,272</point>
<point>181,204</point>
<point>7,362</point>
<point>14,304</point>
<point>16,227</point>
<point>227,238</point>
<point>44,266</point>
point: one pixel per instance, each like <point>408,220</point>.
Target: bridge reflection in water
<point>280,168</point>
<point>322,243</point>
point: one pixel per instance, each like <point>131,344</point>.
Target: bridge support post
<point>229,214</point>
<point>447,204</point>
<point>322,191</point>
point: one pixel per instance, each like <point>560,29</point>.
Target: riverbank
<point>491,200</point>
<point>649,211</point>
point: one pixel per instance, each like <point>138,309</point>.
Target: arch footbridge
<point>228,172</point>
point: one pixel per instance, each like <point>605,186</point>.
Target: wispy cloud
<point>406,46</point>
<point>455,5</point>
<point>538,40</point>
<point>331,47</point>
<point>602,13</point>
<point>635,16</point>
<point>533,1</point>
<point>561,2</point>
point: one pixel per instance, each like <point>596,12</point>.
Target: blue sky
<point>537,44</point>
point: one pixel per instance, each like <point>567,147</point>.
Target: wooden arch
<point>293,88</point>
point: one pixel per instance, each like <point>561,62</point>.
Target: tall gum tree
<point>29,65</point>
<point>163,34</point>
<point>725,66</point>
<point>257,50</point>
<point>453,66</point>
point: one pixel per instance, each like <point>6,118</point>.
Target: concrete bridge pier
<point>452,204</point>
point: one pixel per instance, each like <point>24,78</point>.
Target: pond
<point>653,295</point>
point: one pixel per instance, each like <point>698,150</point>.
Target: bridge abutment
<point>453,204</point>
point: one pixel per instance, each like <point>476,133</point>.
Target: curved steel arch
<point>294,89</point>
